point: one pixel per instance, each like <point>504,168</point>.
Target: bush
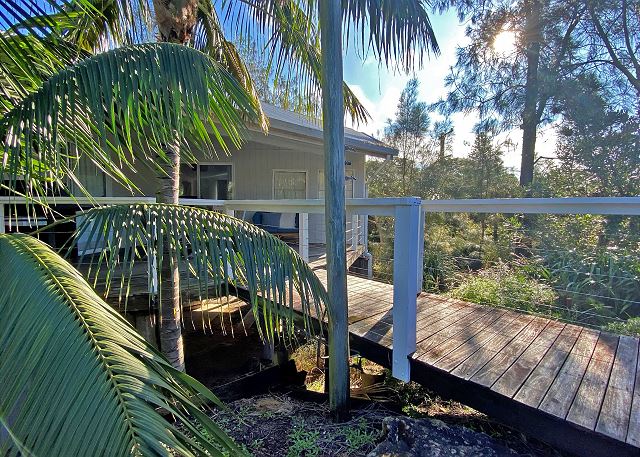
<point>630,327</point>
<point>439,269</point>
<point>504,287</point>
<point>605,276</point>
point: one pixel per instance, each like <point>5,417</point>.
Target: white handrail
<point>56,200</point>
<point>624,206</point>
<point>365,206</point>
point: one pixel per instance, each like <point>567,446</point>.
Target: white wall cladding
<point>253,167</point>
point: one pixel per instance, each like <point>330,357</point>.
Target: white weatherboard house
<point>287,163</point>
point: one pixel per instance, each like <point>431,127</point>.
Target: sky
<point>379,90</point>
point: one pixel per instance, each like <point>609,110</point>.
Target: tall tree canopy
<point>408,132</point>
<point>550,44</point>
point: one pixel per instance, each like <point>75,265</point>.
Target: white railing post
<point>303,236</point>
<point>354,232</point>
<point>229,212</point>
<point>405,264</point>
<point>420,251</point>
<point>364,240</point>
<point>1,218</point>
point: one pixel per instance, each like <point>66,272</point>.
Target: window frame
<point>284,170</point>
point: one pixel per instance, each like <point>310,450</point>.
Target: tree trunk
<point>330,16</point>
<point>171,342</point>
<point>175,21</point>
<point>533,36</point>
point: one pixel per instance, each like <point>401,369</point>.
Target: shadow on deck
<point>573,387</point>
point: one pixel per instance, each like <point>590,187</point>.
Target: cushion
<point>271,219</point>
<point>288,220</point>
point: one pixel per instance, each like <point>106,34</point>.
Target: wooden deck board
<point>503,359</point>
<point>616,406</point>
<point>560,395</point>
<point>535,387</point>
<point>586,406</point>
<point>514,376</point>
<point>587,379</point>
<point>470,355</point>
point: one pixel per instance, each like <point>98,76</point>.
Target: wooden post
<point>330,18</point>
<point>2,218</point>
<point>354,232</point>
<point>405,263</point>
<point>420,251</point>
<point>303,236</point>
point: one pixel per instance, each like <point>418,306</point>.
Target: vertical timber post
<point>303,236</point>
<point>330,18</point>
<point>354,232</point>
<point>420,271</point>
<point>2,229</point>
<point>405,264</point>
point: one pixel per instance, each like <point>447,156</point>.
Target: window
<point>206,181</point>
<point>215,181</point>
<point>348,183</point>
<point>188,181</point>
<point>289,184</point>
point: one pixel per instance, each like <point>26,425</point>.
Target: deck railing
<point>408,217</point>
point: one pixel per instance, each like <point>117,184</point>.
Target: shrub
<point>630,327</point>
<point>439,269</point>
<point>505,287</point>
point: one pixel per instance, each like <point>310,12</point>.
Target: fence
<point>408,224</point>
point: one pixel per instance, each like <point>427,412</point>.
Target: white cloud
<point>381,110</point>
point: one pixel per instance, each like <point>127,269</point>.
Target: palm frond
<point>32,47</point>
<point>398,32</point>
<point>215,254</point>
<point>121,106</point>
<point>209,37</point>
<point>76,377</point>
<point>290,37</point>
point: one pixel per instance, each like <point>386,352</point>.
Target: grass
<point>278,425</point>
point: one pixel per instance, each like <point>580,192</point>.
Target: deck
<point>574,387</point>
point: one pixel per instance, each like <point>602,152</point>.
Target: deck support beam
<point>405,279</point>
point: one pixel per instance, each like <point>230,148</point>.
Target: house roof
<point>282,120</point>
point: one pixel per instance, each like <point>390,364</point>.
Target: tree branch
<point>627,39</point>
<point>612,52</point>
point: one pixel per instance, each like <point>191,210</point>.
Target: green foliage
<point>216,252</point>
<point>303,441</point>
<point>439,268</point>
<point>359,436</point>
<point>77,379</point>
<point>629,327</point>
<point>508,288</point>
<point>480,175</point>
<point>103,108</point>
<point>604,280</point>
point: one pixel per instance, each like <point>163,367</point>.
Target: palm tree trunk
<point>176,21</point>
<point>171,342</point>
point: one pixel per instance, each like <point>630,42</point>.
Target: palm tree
<point>81,27</point>
<point>77,379</point>
<point>61,101</point>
